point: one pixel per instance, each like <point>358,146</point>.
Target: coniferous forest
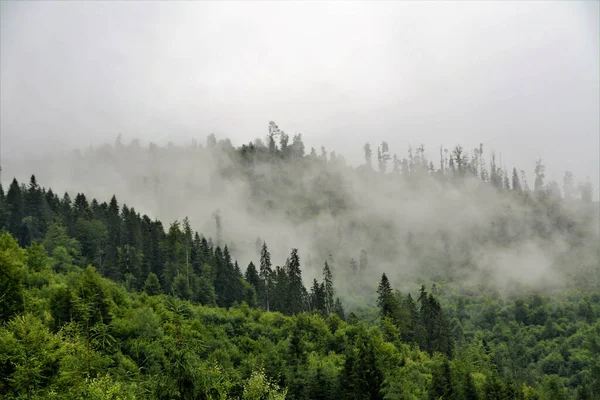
<point>271,271</point>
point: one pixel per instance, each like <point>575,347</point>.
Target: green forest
<point>409,279</point>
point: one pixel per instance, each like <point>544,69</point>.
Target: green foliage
<point>99,302</point>
<point>260,387</point>
<point>152,285</point>
<point>12,270</point>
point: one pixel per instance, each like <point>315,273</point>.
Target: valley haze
<point>521,78</point>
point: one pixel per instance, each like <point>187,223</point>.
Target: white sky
<point>521,77</point>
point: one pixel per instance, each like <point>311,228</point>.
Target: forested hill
<point>461,217</point>
<point>498,283</point>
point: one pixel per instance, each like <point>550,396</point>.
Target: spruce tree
<point>441,383</point>
<point>329,292</point>
<point>15,206</point>
<point>338,309</point>
<point>152,285</point>
<point>317,297</point>
<point>296,289</point>
<point>516,183</point>
<point>385,298</point>
<point>252,277</point>
<point>265,277</point>
<point>368,155</point>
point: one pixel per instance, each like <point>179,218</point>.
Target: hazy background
<point>521,77</point>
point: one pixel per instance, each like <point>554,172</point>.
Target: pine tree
<point>34,208</point>
<point>516,183</point>
<point>470,391</point>
<point>441,382</point>
<point>586,191</point>
<point>569,186</point>
<point>114,237</point>
<point>3,209</point>
<point>383,157</point>
<point>279,290</point>
<point>298,146</point>
<point>338,309</point>
<point>15,206</point>
<point>329,292</point>
<point>252,277</point>
<point>407,319</point>
<point>152,285</point>
<point>296,289</point>
<point>368,155</point>
<point>317,296</point>
<point>274,131</point>
<point>12,260</point>
<point>181,287</point>
<point>386,301</point>
<point>361,376</point>
<point>265,276</point>
<point>539,177</point>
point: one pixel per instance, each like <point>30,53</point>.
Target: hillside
<point>306,277</point>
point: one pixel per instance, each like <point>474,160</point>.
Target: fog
<point>521,78</point>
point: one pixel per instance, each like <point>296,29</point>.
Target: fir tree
<point>265,276</point>
<point>152,285</point>
<point>329,292</point>
<point>296,289</point>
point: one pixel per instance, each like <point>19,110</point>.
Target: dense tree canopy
<point>98,301</point>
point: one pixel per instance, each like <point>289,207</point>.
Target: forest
<point>307,278</point>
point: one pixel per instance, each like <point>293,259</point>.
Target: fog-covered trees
<point>98,300</point>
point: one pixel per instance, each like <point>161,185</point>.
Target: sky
<point>523,78</point>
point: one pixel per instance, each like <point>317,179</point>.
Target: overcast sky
<point>521,77</point>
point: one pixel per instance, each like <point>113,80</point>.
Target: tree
<point>459,161</point>
<point>397,164</point>
<point>361,376</point>
<point>383,156</point>
<point>34,207</point>
<point>338,309</point>
<point>368,155</point>
<point>441,382</point>
<point>317,296</point>
<point>569,185</point>
<point>57,236</point>
<point>130,262</point>
<point>15,206</point>
<point>181,287</point>
<point>516,184</point>
<point>385,298</point>
<point>296,290</point>
<point>432,329</point>
<point>252,277</point>
<point>540,169</point>
<point>12,260</point>
<point>283,144</point>
<point>274,131</point>
<point>29,354</point>
<point>211,141</point>
<point>329,292</point>
<point>265,276</point>
<point>152,285</point>
<point>586,191</point>
<point>298,146</point>
<point>219,226</point>
<point>495,177</point>
<point>259,387</point>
